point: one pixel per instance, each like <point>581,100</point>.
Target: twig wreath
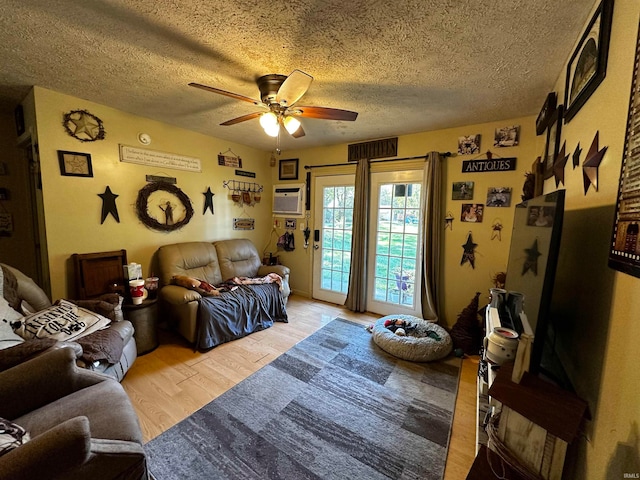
<point>83,126</point>
<point>142,207</point>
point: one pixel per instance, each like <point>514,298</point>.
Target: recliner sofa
<point>81,423</point>
<point>212,262</point>
<point>36,300</point>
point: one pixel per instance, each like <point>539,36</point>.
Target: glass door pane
<point>395,234</point>
<point>332,257</point>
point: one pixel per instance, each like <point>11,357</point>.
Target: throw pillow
<point>8,315</point>
<point>11,436</point>
<point>108,305</point>
<point>186,282</point>
<point>63,321</point>
<point>200,286</point>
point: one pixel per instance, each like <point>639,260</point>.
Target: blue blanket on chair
<point>235,314</point>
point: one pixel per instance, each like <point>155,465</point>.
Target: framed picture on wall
<point>75,164</point>
<point>288,169</point>
<point>588,65</point>
<point>554,134</point>
<point>462,191</point>
<point>472,212</point>
<point>624,254</point>
<point>498,197</point>
<point>548,109</point>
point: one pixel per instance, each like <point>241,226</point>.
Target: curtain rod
<point>309,167</point>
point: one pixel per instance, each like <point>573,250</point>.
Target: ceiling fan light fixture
<point>292,124</point>
<point>268,119</point>
<point>272,130</point>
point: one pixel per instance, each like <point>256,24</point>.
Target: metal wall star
<point>208,201</point>
<point>576,156</point>
<point>592,163</point>
<point>109,205</point>
<point>559,164</point>
<point>469,254</point>
<point>497,230</point>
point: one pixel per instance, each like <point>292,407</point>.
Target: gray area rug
<point>335,406</point>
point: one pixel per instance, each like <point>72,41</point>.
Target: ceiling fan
<point>278,95</point>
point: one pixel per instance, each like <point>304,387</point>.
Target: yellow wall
<point>597,305</point>
<point>460,282</point>
<point>73,208</point>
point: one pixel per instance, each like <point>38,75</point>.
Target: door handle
<point>316,246</point>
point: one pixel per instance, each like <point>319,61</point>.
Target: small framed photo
<point>75,164</point>
<point>462,191</point>
<point>290,223</point>
<point>499,197</point>
<point>548,109</point>
<point>472,212</point>
<point>469,144</point>
<point>554,135</point>
<point>538,216</point>
<point>288,169</point>
<point>588,65</point>
<point>507,136</point>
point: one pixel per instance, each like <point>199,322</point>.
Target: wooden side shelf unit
<point>532,420</point>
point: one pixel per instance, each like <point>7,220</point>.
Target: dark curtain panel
<point>357,294</point>
<point>433,232</point>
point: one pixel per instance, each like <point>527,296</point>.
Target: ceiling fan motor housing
<point>269,86</point>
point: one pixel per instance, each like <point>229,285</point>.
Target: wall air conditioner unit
<point>288,200</point>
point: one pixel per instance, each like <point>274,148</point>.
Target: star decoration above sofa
<point>109,205</point>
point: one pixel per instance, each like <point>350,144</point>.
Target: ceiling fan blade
<point>243,118</point>
<point>225,93</point>
<point>325,113</point>
<point>293,88</point>
<point>298,133</point>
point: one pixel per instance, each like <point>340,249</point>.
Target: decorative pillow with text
<point>63,321</point>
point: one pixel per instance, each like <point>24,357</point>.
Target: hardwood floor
<point>170,383</point>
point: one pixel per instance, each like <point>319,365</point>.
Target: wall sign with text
<point>489,165</point>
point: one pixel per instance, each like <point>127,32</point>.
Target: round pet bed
<point>426,343</point>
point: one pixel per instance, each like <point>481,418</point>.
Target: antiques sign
<point>489,165</point>
<point>143,156</point>
<point>387,147</point>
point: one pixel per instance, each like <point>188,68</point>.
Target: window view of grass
<point>337,224</point>
<point>396,247</point>
<point>397,243</point>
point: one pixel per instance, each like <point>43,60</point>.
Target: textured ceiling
<point>405,65</point>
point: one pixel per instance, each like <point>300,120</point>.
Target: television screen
<point>535,243</point>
